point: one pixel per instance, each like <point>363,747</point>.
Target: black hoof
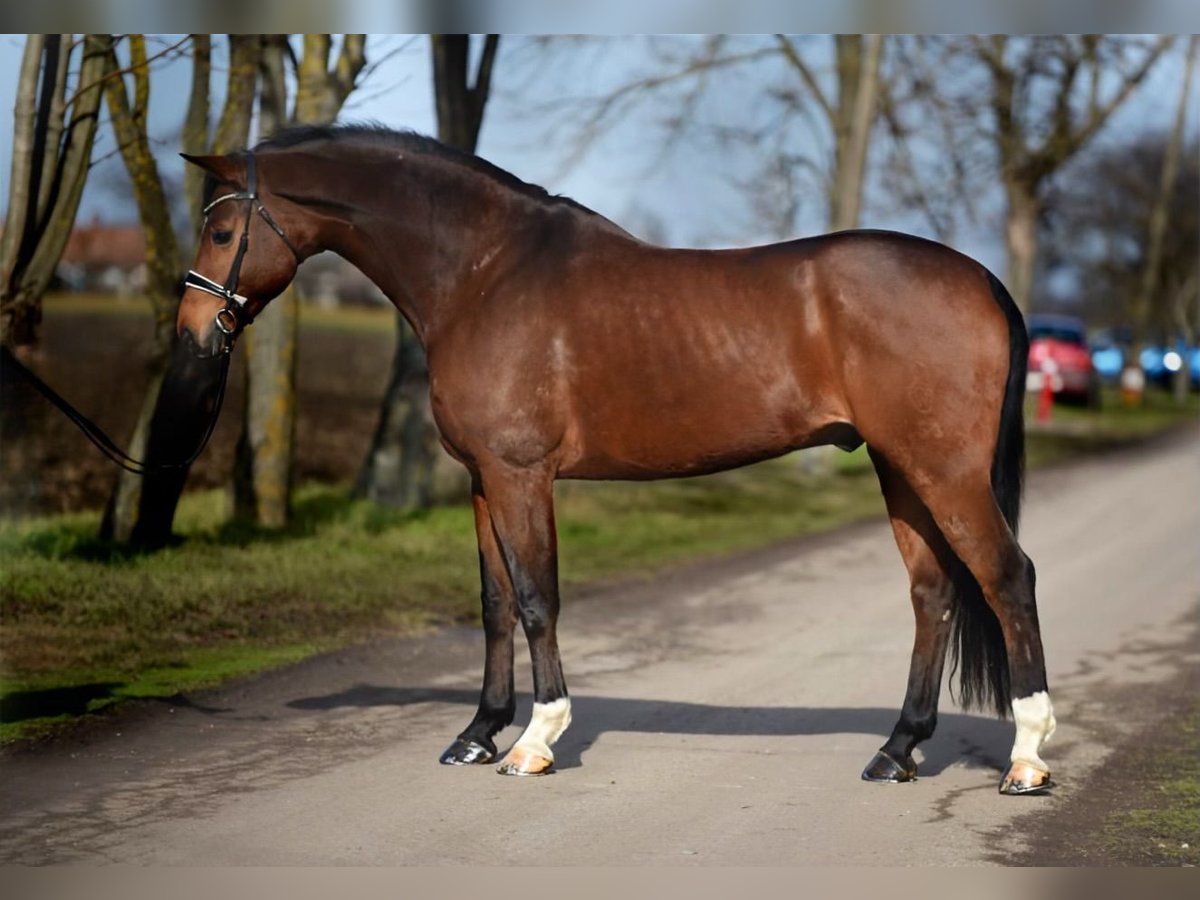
<point>467,753</point>
<point>1022,778</point>
<point>885,770</point>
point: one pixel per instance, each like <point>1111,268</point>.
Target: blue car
<point>1159,361</point>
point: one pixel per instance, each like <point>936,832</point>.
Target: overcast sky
<point>690,194</point>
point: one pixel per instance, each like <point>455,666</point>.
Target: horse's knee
<point>538,617</point>
<point>499,616</point>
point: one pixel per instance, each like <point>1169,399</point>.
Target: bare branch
<point>1100,113</point>
<point>794,58</point>
<point>85,86</point>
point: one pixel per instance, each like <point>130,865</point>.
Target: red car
<point>1058,351</point>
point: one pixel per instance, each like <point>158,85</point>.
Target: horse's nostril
<point>189,344</point>
<point>188,341</point>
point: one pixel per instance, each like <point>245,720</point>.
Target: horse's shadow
<point>973,741</point>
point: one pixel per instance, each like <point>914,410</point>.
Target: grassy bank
<point>85,624</point>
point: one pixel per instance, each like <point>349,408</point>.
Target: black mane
<point>376,135</point>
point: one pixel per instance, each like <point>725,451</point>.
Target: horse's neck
<point>419,253</point>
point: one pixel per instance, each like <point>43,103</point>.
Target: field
<point>85,624</point>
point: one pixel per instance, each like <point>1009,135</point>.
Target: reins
<point>106,444</point>
<point>230,319</point>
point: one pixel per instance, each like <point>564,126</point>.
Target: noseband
<point>232,317</point>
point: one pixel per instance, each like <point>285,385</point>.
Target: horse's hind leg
<point>522,509</point>
<point>967,514</point>
<point>497,703</point>
<point>928,561</point>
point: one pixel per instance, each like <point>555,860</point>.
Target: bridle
<point>233,317</point>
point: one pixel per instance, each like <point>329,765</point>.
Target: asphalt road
<point>722,716</point>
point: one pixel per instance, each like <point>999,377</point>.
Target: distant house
<point>110,259</point>
<point>327,281</point>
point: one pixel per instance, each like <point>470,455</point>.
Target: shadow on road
<point>974,741</point>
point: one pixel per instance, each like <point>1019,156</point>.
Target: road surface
<point>722,716</point>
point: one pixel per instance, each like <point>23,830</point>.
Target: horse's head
<point>247,254</point>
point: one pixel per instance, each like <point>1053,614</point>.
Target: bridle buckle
<point>223,314</point>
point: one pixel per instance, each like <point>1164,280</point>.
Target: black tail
<point>978,647</point>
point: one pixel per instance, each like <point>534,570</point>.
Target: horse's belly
<point>672,440</point>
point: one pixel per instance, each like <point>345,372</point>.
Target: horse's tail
<point>978,647</point>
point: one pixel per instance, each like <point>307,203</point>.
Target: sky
<point>688,197</point>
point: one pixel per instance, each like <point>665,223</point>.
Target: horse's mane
<point>374,135</point>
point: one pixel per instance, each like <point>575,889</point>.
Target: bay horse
<point>561,346</point>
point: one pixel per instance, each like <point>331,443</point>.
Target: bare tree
<point>1141,301</point>
<point>52,148</point>
<point>849,110</point>
<point>194,138</point>
<point>399,467</point>
<point>187,389</point>
<point>263,476</point>
<point>1046,98</point>
<point>129,115</point>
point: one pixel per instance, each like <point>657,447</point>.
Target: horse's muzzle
<point>213,344</point>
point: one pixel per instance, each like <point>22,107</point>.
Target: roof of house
<point>98,244</point>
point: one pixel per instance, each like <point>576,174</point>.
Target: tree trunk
<point>1020,242</point>
<point>16,225</point>
<point>404,449</point>
<point>195,127</point>
<point>852,118</point>
<point>1150,285</point>
<point>266,450</point>
<point>163,266</point>
<point>183,402</point>
<point>399,467</point>
<point>859,87</point>
<point>262,480</point>
<point>29,257</point>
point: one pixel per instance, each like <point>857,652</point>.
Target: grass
<point>85,624</point>
<point>1075,431</point>
<point>1163,826</point>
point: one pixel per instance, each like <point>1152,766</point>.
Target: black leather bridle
<point>233,317</point>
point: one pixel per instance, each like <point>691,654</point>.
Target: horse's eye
<point>221,238</point>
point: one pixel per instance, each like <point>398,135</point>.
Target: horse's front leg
<point>497,703</point>
<point>521,503</point>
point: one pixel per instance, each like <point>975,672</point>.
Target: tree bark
<point>266,450</point>
<point>854,140</point>
<point>24,115</point>
<point>30,253</point>
<point>1021,241</point>
<point>399,468</point>
<point>163,264</point>
<point>1027,162</point>
<point>188,388</point>
<point>195,126</point>
<point>1150,286</point>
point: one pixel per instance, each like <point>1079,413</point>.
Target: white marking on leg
<point>1035,723</point>
<point>549,721</point>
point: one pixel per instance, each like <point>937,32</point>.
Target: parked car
<point>1159,360</point>
<point>1109,348</point>
<point>1058,351</point>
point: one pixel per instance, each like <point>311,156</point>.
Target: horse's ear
<point>230,169</point>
